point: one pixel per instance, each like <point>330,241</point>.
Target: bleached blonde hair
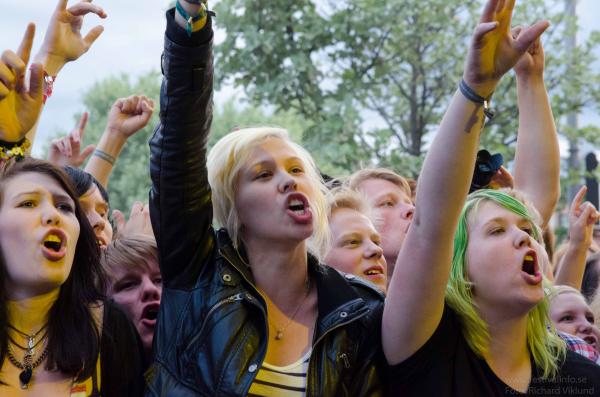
<point>231,154</point>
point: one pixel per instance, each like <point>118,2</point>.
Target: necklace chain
<point>13,360</point>
<point>28,364</point>
<point>279,331</point>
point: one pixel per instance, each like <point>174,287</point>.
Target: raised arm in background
<point>582,217</point>
<point>63,41</point>
<point>415,300</point>
<point>127,116</point>
<point>66,151</point>
<point>537,158</point>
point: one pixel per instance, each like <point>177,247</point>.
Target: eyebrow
<point>272,161</point>
<point>54,195</point>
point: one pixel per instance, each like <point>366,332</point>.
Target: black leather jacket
<point>211,336</point>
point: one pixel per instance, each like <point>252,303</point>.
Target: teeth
<point>53,239</point>
<point>296,202</point>
<point>372,272</point>
<point>528,258</point>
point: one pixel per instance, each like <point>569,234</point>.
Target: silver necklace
<point>28,364</point>
<point>279,331</point>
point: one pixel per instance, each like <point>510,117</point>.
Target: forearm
<point>101,164</point>
<point>572,266</point>
<point>537,158</point>
<point>419,281</point>
<point>180,205</point>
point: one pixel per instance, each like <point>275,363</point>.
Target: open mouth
<point>590,340</point>
<point>101,242</point>
<point>298,208</point>
<point>373,271</point>
<point>530,263</point>
<point>54,244</point>
<point>150,313</point>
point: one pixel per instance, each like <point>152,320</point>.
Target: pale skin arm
<point>64,42</point>
<point>19,106</point>
<point>537,158</point>
<point>127,116</point>
<point>415,299</point>
<point>582,217</point>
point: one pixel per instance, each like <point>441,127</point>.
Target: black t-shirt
<point>446,366</point>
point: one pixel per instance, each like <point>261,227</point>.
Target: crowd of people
<point>246,274</point>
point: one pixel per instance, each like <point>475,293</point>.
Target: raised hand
<point>531,63</point>
<point>582,217</point>
<point>502,179</point>
<point>129,115</point>
<point>63,41</point>
<point>20,105</point>
<point>67,150</point>
<point>138,223</point>
<point>494,50</point>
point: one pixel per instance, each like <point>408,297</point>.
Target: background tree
<point>371,78</point>
<point>130,180</point>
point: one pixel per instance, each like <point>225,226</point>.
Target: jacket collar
<point>337,300</point>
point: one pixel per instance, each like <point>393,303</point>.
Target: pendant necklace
<point>28,364</point>
<point>279,331</point>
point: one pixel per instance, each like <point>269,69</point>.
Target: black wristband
<point>474,97</point>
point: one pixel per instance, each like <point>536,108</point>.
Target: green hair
<point>546,347</point>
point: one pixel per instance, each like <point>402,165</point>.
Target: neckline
<point>291,366</point>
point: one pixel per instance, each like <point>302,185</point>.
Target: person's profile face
<point>96,210</point>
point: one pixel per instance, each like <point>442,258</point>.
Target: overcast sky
<point>131,43</point>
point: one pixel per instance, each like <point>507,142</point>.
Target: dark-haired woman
<point>57,336</point>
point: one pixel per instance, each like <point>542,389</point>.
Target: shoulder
<point>363,287</point>
<point>579,372</point>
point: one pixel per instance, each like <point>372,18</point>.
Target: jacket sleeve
<point>180,197</point>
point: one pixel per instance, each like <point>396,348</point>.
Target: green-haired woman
<point>471,310</point>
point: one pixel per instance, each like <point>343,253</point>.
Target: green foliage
<point>371,79</point>
<point>130,180</point>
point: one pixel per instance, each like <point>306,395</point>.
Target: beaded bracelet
<point>15,150</point>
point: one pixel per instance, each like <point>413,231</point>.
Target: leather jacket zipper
<point>344,356</point>
<point>233,298</point>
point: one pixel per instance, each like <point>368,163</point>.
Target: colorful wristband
<point>190,20</point>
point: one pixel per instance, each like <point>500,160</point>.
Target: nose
<point>522,239</point>
<point>50,216</point>
<point>150,290</point>
<point>584,327</point>
<point>287,183</point>
<point>408,212</point>
<point>98,223</point>
<point>373,251</point>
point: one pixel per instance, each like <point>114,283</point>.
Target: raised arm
<point>582,217</point>
<point>64,42</point>
<point>537,158</point>
<point>127,116</point>
<point>180,205</point>
<point>415,299</point>
<point>20,105</point>
<point>66,151</point>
